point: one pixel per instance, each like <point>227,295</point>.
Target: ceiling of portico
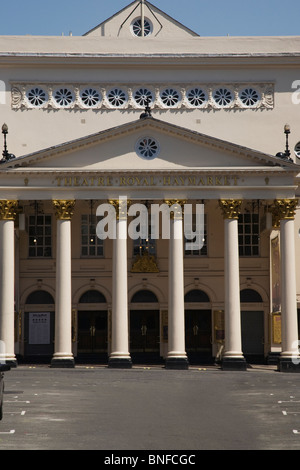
<point>124,148</point>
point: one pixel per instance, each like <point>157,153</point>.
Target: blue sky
<point>206,17</point>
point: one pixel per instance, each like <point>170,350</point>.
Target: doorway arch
<point>92,320</point>
<point>198,327</point>
<point>252,325</point>
<point>144,337</point>
<point>39,326</point>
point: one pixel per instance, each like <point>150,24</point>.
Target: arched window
<point>39,297</point>
<point>250,295</point>
<point>196,295</point>
<point>144,296</point>
<point>92,297</point>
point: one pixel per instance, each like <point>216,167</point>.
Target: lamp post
<point>287,131</point>
<point>6,155</point>
<point>286,155</point>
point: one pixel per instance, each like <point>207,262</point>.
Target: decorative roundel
<point>249,97</point>
<point>147,148</point>
<point>297,150</point>
<point>223,97</point>
<point>196,97</point>
<point>136,27</point>
<point>170,97</point>
<point>63,97</point>
<point>37,96</point>
<point>117,97</point>
<point>90,97</point>
<point>142,96</point>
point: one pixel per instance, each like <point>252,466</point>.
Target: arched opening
<point>252,325</point>
<point>144,341</point>
<point>39,319</point>
<point>198,329</point>
<point>92,337</point>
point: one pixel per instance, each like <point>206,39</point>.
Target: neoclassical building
<point>142,112</point>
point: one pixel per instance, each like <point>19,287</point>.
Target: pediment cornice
<point>255,157</point>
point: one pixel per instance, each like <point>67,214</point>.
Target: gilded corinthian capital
<point>64,210</point>
<point>177,206</point>
<point>230,208</point>
<point>283,209</point>
<point>8,210</point>
<point>121,207</point>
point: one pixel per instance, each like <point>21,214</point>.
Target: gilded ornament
<point>177,205</point>
<point>283,209</point>
<point>121,207</point>
<point>8,210</point>
<point>230,208</point>
<point>64,210</point>
<point>145,263</point>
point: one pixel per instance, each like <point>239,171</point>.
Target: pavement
<point>149,408</point>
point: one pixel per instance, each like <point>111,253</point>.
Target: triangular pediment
<point>125,23</point>
<point>124,148</point>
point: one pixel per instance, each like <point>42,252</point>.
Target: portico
<point>226,178</point>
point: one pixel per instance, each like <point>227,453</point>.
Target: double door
<point>198,335</point>
<point>144,331</point>
<point>92,332</point>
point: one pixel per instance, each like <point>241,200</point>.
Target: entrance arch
<point>198,329</point>
<point>92,327</point>
<point>252,325</point>
<point>39,320</point>
<point>144,338</point>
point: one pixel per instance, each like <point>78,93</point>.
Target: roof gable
<point>121,23</point>
<point>119,148</point>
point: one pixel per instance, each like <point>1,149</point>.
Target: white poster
<point>39,328</point>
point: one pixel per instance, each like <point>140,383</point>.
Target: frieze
<point>95,96</point>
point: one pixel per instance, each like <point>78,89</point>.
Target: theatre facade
<point>142,113</point>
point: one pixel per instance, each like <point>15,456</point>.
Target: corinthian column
<point>8,212</point>
<point>63,356</point>
<point>289,360</point>
<point>233,358</point>
<point>119,356</point>
<point>176,357</point>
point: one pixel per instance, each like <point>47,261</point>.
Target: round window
<point>170,97</point>
<point>249,97</point>
<point>147,148</point>
<point>223,97</point>
<point>63,97</point>
<point>136,27</point>
<point>196,97</point>
<point>37,96</point>
<point>297,150</point>
<point>117,97</point>
<point>142,96</point>
<point>90,97</point>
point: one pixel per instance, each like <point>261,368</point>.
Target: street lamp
<point>6,155</point>
<point>286,154</point>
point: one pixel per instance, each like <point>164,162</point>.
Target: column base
<point>179,363</point>
<point>234,363</point>
<point>119,363</point>
<point>62,363</point>
<point>273,358</point>
<point>288,364</point>
<point>13,363</point>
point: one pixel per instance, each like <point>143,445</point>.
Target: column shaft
<point>233,358</point>
<point>7,279</point>
<point>119,356</point>
<point>63,356</point>
<point>176,358</point>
